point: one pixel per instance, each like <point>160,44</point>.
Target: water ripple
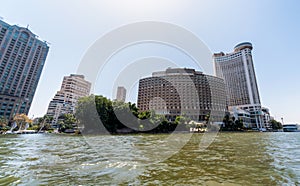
<point>232,159</point>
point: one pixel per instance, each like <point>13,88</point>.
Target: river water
<point>231,159</point>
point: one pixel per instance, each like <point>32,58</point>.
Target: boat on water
<point>291,128</point>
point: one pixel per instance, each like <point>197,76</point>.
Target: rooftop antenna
<point>27,26</point>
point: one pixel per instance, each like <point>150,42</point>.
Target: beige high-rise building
<point>237,70</point>
<point>73,87</point>
<point>121,94</point>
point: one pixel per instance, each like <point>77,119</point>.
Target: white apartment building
<point>73,87</point>
<point>237,70</point>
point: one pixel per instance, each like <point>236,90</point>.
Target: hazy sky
<point>72,26</point>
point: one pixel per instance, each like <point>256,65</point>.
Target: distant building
<point>182,91</point>
<point>121,94</point>
<point>240,114</point>
<point>245,115</point>
<point>266,117</point>
<point>22,58</point>
<point>291,127</point>
<point>237,70</point>
<point>73,87</point>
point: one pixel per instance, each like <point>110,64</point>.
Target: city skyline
<point>274,42</point>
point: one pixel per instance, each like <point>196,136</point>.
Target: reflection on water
<point>232,159</point>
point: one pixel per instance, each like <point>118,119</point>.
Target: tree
<point>45,122</point>
<point>238,124</point>
<point>3,122</point>
<point>207,118</point>
<point>133,108</point>
<point>182,123</point>
<point>21,120</point>
<point>232,124</point>
<point>66,121</point>
<point>227,122</point>
<point>275,124</point>
<point>47,118</point>
<point>88,117</point>
<point>125,116</point>
<point>96,114</point>
<point>144,115</point>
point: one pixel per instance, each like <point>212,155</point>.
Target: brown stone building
<point>182,91</point>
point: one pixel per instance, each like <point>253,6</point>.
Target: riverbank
<point>126,132</point>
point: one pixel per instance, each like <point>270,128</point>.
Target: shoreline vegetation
<point>98,115</point>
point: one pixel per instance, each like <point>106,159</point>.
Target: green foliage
<point>232,124</point>
<point>3,122</point>
<point>87,115</point>
<point>182,120</point>
<point>66,121</point>
<point>97,114</point>
<point>134,109</point>
<point>144,115</point>
<point>275,124</point>
<point>207,118</point>
<point>44,123</point>
<point>238,124</point>
<point>34,127</point>
<point>46,118</point>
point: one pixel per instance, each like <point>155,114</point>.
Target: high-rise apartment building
<point>22,58</point>
<point>73,87</point>
<point>238,72</point>
<point>181,91</point>
<point>121,94</point>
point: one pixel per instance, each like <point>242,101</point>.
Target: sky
<point>72,26</point>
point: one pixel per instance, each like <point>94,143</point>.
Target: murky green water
<point>232,159</point>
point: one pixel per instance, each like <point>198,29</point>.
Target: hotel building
<point>238,72</point>
<point>73,87</point>
<point>22,58</point>
<point>182,91</point>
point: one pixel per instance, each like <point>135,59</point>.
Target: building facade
<point>73,87</point>
<point>266,117</point>
<point>121,94</point>
<point>240,114</point>
<point>22,58</point>
<point>237,70</point>
<point>182,91</point>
